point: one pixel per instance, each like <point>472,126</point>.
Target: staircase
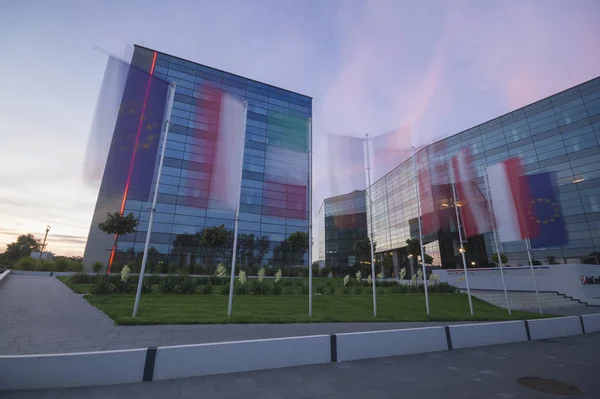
<point>526,300</point>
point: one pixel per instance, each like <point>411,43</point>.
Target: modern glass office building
<point>269,210</point>
<point>343,219</point>
<point>559,134</point>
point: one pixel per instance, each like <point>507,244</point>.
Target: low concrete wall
<point>554,328</point>
<point>4,276</point>
<point>591,323</point>
<point>232,357</point>
<point>470,335</point>
<point>374,344</point>
<point>71,369</point>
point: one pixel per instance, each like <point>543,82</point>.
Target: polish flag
<point>509,192</point>
<point>473,209</point>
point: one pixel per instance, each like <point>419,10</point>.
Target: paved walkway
<point>42,315</point>
<point>476,373</point>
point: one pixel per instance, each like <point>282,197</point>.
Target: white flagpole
<point>171,97</point>
<point>235,224</point>
<point>490,205</point>
<point>310,238</point>
<point>371,220</point>
<point>537,294</point>
<point>461,249</point>
<point>421,233</point>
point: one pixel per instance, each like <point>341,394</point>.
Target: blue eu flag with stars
<point>544,214</point>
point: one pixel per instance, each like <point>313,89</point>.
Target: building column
<point>396,264</point>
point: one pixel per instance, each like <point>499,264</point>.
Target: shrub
<point>207,289</point>
<point>443,288</point>
<point>25,264</point>
<point>277,289</point>
<point>259,288</point>
<point>288,282</point>
<point>166,286</point>
<point>358,289</point>
<point>225,289</point>
<point>173,269</point>
<point>101,285</point>
<point>80,278</point>
<point>75,266</point>
<point>304,289</point>
<point>61,265</point>
<point>46,265</point>
<point>331,290</point>
<point>125,287</point>
<point>319,289</point>
<point>152,280</point>
<point>155,269</point>
<point>97,267</point>
<point>346,290</point>
<point>288,291</point>
<point>187,285</point>
<point>240,289</point>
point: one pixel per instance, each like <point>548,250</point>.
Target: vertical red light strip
<point>137,139</point>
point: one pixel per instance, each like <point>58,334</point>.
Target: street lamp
<point>43,244</point>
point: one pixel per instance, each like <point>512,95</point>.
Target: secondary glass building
<point>343,219</point>
<point>558,134</point>
<point>269,211</point>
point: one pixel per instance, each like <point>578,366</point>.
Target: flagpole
<point>537,294</point>
<point>371,220</point>
<point>490,205</point>
<point>171,97</point>
<point>235,224</point>
<point>421,233</point>
<point>461,249</point>
<point>310,238</point>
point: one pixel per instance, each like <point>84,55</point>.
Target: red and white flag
<point>474,211</point>
<point>509,192</point>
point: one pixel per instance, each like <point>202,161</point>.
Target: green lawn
<point>77,288</point>
<point>212,309</point>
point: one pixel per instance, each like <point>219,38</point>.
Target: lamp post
<point>43,245</point>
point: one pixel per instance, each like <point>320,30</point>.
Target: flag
<point>434,190</point>
<point>346,164</point>
<point>473,206</point>
<point>131,161</point>
<point>543,213</point>
<point>285,189</point>
<point>508,194</point>
<point>217,148</point>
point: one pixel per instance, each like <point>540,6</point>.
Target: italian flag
<point>285,191</point>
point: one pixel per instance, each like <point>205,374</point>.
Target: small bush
<point>25,264</point>
<point>125,287</point>
<point>241,289</point>
<point>346,290</point>
<point>225,289</point>
<point>443,288</point>
<point>173,269</point>
<point>152,280</point>
<point>97,267</point>
<point>277,289</point>
<point>288,291</point>
<point>304,289</point>
<point>319,289</point>
<point>207,289</point>
<point>187,285</point>
<point>288,282</point>
<point>75,266</point>
<point>46,266</point>
<point>61,265</point>
<point>101,286</point>
<point>414,288</point>
<point>80,278</point>
<point>166,286</point>
<point>259,288</point>
<point>358,289</point>
<point>331,290</point>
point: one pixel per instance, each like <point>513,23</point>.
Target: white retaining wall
<point>374,344</point>
<point>71,369</point>
<point>565,279</point>
<point>470,335</point>
<point>4,276</point>
<point>591,322</point>
<point>554,328</point>
<point>232,357</point>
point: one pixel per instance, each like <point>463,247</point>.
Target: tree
<point>23,247</point>
<point>503,258</point>
<point>118,224</point>
<point>213,241</point>
<point>412,247</point>
<point>362,250</point>
<point>428,259</point>
<point>185,244</point>
<point>246,246</point>
<point>298,244</point>
<point>262,246</point>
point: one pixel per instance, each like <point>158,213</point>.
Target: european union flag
<point>132,158</point>
<point>544,211</point>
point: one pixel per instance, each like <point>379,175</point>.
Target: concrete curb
<point>4,276</point>
<point>148,364</point>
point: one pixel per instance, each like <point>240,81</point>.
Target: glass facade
<point>343,219</point>
<point>558,134</point>
<point>270,209</point>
